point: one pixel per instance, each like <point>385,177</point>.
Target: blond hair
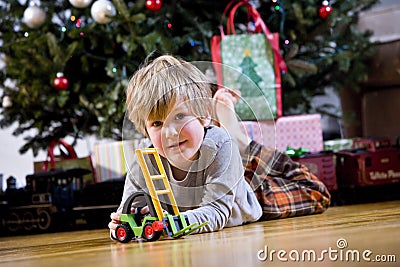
<point>154,89</point>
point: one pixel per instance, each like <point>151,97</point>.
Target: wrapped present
<point>110,158</point>
<point>300,131</point>
<point>303,131</point>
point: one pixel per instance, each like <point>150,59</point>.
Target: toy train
<point>369,171</point>
<point>58,200</point>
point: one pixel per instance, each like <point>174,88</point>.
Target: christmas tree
<point>67,63</point>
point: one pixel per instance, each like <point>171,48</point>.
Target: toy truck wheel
<point>123,233</point>
<point>149,233</point>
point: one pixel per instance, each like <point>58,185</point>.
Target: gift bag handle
<point>71,153</point>
<point>225,14</point>
<point>252,13</point>
<point>259,23</point>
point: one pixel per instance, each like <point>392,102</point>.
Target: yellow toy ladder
<point>150,178</point>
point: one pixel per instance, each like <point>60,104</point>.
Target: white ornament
<point>80,3</point>
<point>6,103</point>
<point>102,10</point>
<point>34,17</point>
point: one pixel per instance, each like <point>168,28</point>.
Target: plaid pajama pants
<point>284,188</point>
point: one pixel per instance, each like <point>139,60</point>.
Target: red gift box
<point>376,163</point>
<point>300,131</point>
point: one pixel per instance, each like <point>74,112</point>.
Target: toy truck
<point>150,228</point>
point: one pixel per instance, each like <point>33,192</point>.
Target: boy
<point>282,187</point>
<point>170,101</point>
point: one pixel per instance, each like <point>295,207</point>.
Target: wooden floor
<point>340,233</point>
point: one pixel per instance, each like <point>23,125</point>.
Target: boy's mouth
<point>177,145</point>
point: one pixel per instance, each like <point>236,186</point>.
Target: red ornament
<point>153,5</point>
<point>61,83</point>
<point>324,11</point>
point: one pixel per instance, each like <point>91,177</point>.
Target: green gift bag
<point>252,64</point>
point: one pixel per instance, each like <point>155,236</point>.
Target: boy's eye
<point>179,116</point>
<point>156,124</point>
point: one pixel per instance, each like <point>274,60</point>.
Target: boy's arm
<point>131,185</point>
<point>224,186</point>
<point>215,211</point>
<point>283,187</point>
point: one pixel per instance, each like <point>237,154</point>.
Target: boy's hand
<point>115,220</point>
<point>143,211</point>
<point>116,217</point>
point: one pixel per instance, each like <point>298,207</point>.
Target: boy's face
<point>179,136</point>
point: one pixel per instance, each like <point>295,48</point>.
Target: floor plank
<point>374,227</point>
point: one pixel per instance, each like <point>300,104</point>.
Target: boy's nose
<point>170,131</point>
